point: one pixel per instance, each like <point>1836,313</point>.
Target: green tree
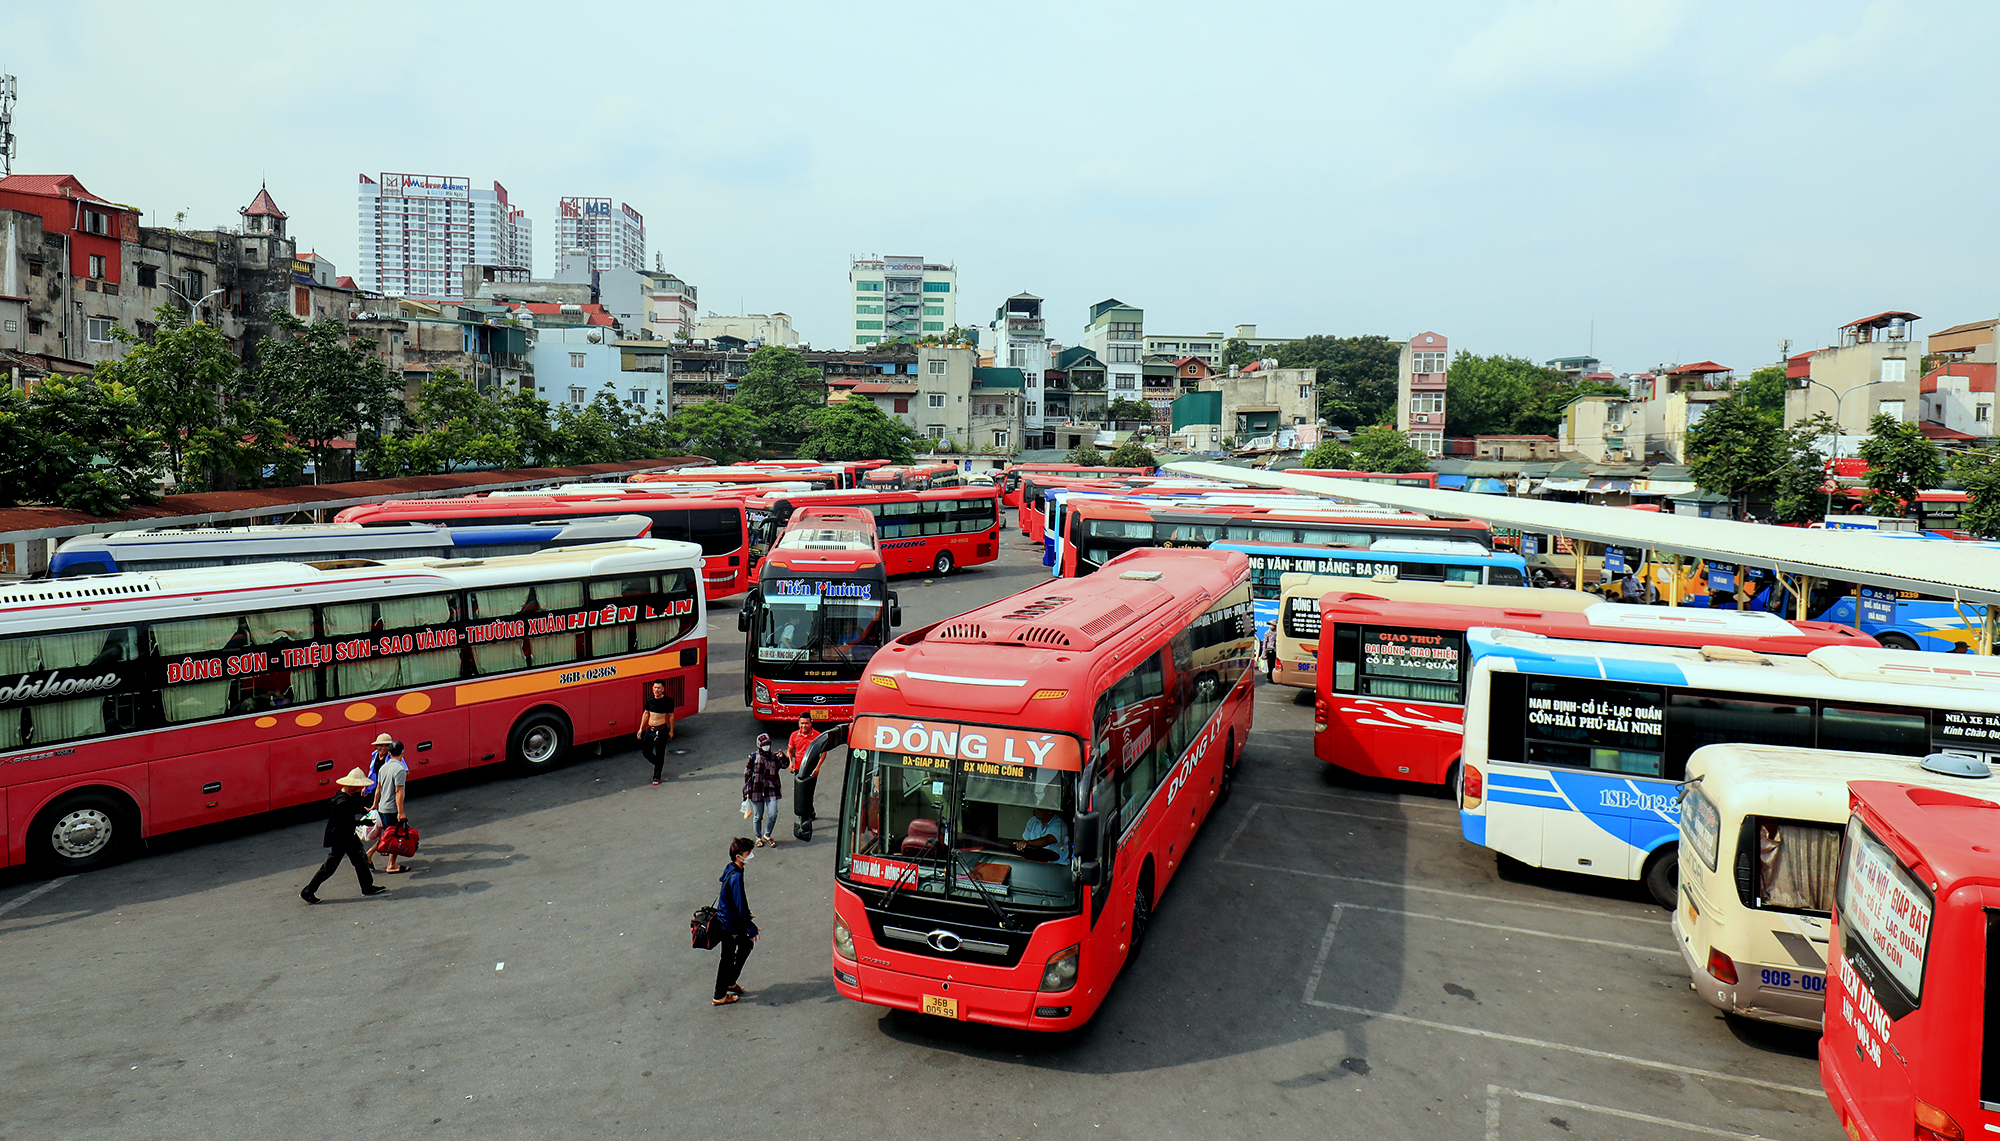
<point>722,432</point>
<point>782,389</point>
<point>855,429</point>
<point>1126,408</point>
<point>1132,453</point>
<point>1901,462</point>
<point>1800,492</point>
<point>329,389</point>
<point>1764,390</point>
<point>80,444</point>
<point>1357,376</point>
<point>1509,396</point>
<point>597,432</point>
<point>1733,451</point>
<point>1330,455</point>
<point>1086,455</point>
<point>453,427</point>
<point>1979,472</point>
<point>1382,448</point>
<point>1237,353</point>
<point>188,381</point>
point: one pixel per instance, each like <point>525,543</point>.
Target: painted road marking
<point>1311,998</point>
<point>1493,1114</point>
<point>33,895</point>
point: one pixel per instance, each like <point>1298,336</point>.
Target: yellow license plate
<point>819,714</point>
<point>942,1007</point>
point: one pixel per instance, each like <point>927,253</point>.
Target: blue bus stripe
<point>1551,802</point>
<point>1509,780</point>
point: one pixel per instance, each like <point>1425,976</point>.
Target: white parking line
<point>1311,998</point>
<point>33,895</point>
<point>1493,1114</point>
<point>1516,930</point>
<point>1377,819</point>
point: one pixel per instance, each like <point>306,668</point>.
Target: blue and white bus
<point>136,551</point>
<point>1574,751</point>
<point>1406,560</point>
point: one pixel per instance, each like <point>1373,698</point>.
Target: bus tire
<point>1662,876</point>
<point>942,565</point>
<point>538,741</point>
<point>1895,641</point>
<point>83,831</point>
<point>1228,772</point>
<point>1142,915</point>
<point>1452,777</point>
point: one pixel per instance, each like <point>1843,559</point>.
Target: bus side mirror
<point>895,612</point>
<point>743,615</point>
<point>1088,872</point>
<point>1087,839</point>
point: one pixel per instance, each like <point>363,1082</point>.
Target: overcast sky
<point>1700,180</point>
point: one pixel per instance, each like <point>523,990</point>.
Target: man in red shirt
<point>795,747</point>
<point>802,788</point>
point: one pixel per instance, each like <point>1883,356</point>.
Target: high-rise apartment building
<point>900,296</point>
<point>614,237</point>
<point>419,232</point>
<point>1420,375</point>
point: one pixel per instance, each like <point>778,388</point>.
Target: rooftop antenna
<point>8,90</point>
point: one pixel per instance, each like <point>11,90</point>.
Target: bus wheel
<point>1663,876</point>
<point>1142,918</point>
<point>81,832</point>
<point>943,564</point>
<point>1896,641</point>
<point>1452,777</point>
<point>1228,772</point>
<point>538,741</point>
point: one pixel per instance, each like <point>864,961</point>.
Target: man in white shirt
<point>1047,834</point>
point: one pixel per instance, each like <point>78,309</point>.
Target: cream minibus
<point>1294,651</point>
<point>1760,847</point>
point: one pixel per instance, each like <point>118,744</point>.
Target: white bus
<point>137,704</point>
<point>1760,848</point>
<point>1574,751</point>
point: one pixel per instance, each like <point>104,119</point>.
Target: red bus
<point>918,532</point>
<point>1094,531</point>
<point>917,477</point>
<point>821,609</point>
<point>718,524</point>
<point>141,704</point>
<point>1911,1047</point>
<point>820,479</point>
<point>1012,479</point>
<point>1391,676</point>
<point>1427,479</point>
<point>1023,782</point>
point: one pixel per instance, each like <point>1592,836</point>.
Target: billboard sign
<point>426,186</point>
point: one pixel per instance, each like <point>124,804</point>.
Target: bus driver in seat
<point>1044,837</point>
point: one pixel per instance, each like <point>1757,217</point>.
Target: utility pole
<point>7,90</point>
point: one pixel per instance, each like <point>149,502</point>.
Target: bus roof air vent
<point>1953,765</point>
<point>961,632</point>
<point>1043,636</point>
<point>1109,620</point>
<point>1036,608</point>
<point>1733,654</point>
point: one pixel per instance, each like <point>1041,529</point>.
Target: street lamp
<point>1839,426</point>
<point>192,305</point>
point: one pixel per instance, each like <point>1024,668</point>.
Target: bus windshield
<point>817,620</point>
<point>961,829</point>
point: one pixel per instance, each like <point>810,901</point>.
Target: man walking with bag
<point>343,816</point>
<point>732,914</point>
<point>391,780</point>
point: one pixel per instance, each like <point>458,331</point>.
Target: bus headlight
<point>1060,974</point>
<point>843,939</point>
<point>763,694</point>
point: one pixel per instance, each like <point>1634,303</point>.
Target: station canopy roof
<point>1969,572</point>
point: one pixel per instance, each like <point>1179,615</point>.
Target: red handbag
<point>399,840</point>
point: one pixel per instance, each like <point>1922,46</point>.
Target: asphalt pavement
<point>1334,962</point>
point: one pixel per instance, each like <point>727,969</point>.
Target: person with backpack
<point>738,931</point>
<point>763,789</point>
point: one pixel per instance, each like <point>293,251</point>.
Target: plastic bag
<point>746,808</point>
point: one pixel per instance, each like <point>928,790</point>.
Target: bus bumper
<point>828,714</point>
<point>1299,675</point>
<point>993,1006</point>
<point>1746,998</point>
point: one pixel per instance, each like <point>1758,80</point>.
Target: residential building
<point>1524,448</point>
<point>1575,367</point>
<point>615,238</point>
<point>1259,401</point>
<point>69,262</point>
<point>751,328</point>
<point>1420,390</point>
<point>1159,384</point>
<point>649,304</point>
<point>1956,401</point>
<point>486,344</point>
<point>1115,332</point>
<point>1875,368</point>
<point>1970,341</point>
<point>900,296</point>
<point>1594,427</point>
<point>1209,346</point>
<point>1020,341</point>
<point>996,400</point>
<point>419,232</point>
<point>1073,398</point>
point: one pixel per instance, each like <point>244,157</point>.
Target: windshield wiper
<point>889,892</point>
<point>1006,920</point>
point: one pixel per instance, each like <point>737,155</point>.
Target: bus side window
<point>1346,657</point>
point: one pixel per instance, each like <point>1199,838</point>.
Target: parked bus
<point>919,531</point>
<point>821,609</point>
<point>1418,560</point>
<point>141,551</point>
<point>1294,657</point>
<point>1760,847</point>
<point>1424,479</point>
<point>145,703</point>
<point>913,477</point>
<point>715,523</point>
<point>1016,482</point>
<point>816,480</point>
<point>1574,750</point>
<point>1391,675</point>
<point>1912,1042</point>
<point>1166,492</point>
<point>1096,531</point>
<point>1023,781</point>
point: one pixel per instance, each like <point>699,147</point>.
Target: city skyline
<point>1648,183</point>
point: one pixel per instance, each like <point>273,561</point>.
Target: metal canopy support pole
<point>1989,630</point>
<point>1576,548</point>
<point>1802,600</point>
